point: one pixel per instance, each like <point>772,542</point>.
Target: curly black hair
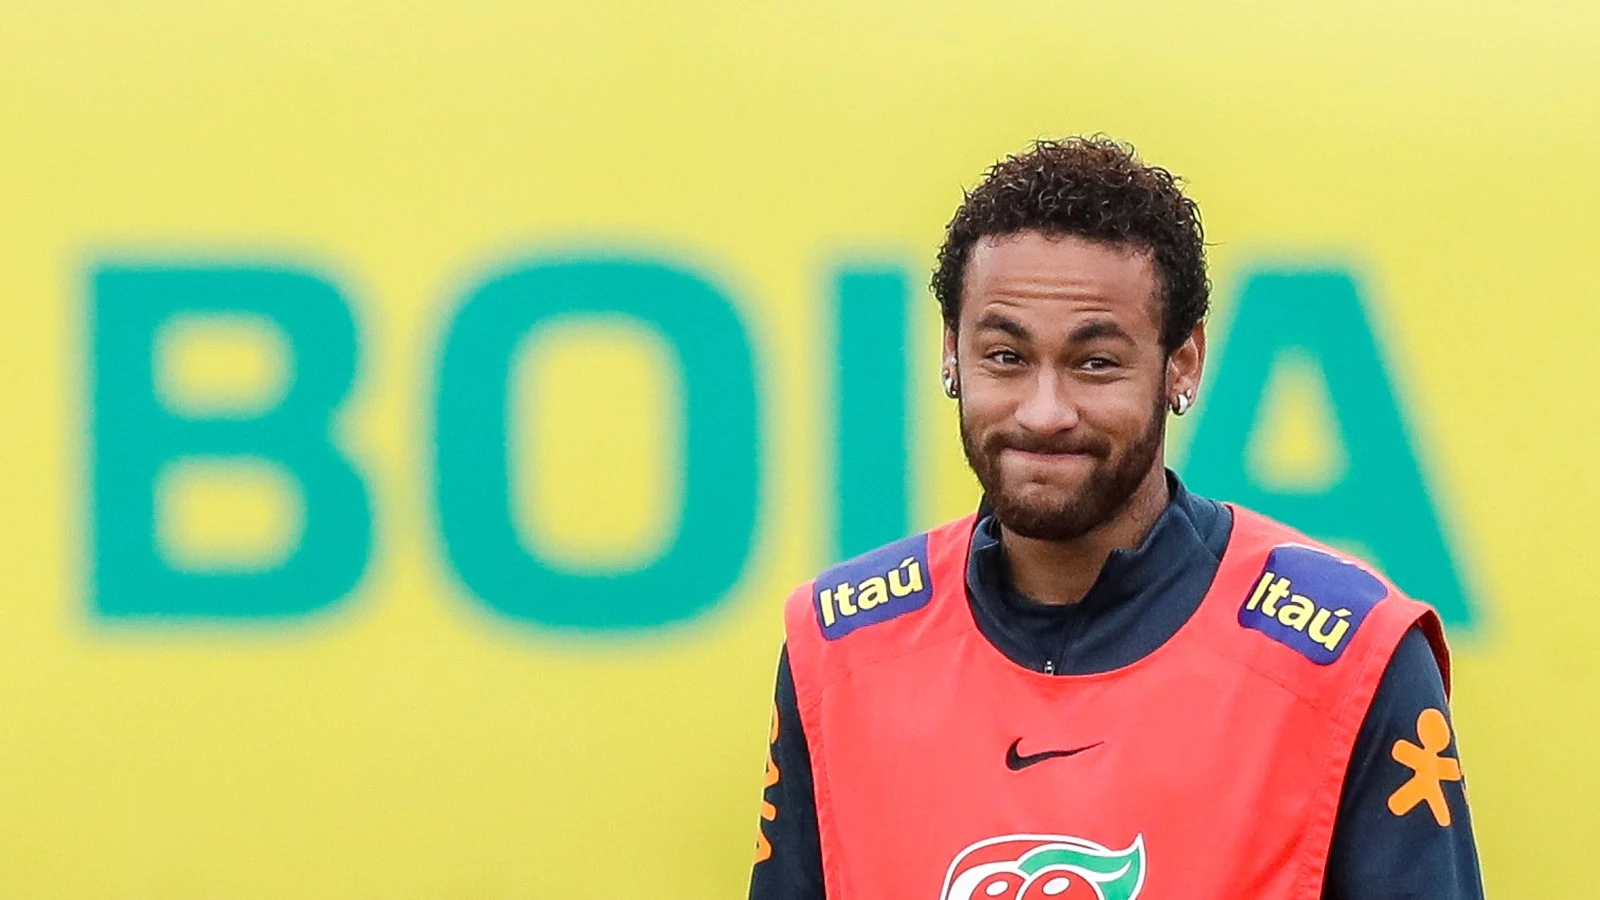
<point>1094,188</point>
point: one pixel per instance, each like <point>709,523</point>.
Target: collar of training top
<point>1186,527</point>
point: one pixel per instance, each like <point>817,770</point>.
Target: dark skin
<point>1063,381</point>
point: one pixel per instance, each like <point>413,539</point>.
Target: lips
<point>1044,455</point>
<point>1084,445</point>
<point>1033,458</point>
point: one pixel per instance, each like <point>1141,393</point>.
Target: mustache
<point>1080,443</point>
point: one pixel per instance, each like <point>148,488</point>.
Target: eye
<point>1099,363</point>
<point>1004,357</point>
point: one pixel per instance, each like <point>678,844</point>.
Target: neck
<point>1061,572</point>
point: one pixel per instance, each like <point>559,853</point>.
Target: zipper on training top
<point>1049,667</point>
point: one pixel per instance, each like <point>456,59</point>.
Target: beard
<point>1072,513</point>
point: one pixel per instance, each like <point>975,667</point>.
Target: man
<point>1101,685</point>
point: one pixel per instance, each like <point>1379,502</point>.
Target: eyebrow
<point>1089,331</point>
<point>992,321</point>
<point>1099,328</point>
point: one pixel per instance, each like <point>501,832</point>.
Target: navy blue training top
<point>1140,599</point>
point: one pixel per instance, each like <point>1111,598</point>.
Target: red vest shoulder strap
<point>880,603</point>
<point>1331,609</point>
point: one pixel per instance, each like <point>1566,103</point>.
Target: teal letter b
<point>135,437</point>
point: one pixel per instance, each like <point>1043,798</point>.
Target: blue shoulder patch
<point>874,587</point>
<point>1310,600</point>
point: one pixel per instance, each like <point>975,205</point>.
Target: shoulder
<point>1311,599</point>
<point>883,584</point>
<point>1403,826</point>
<point>1327,606</point>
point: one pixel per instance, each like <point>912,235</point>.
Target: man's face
<point>1064,382</point>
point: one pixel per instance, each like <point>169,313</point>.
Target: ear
<point>949,344</point>
<point>1187,363</point>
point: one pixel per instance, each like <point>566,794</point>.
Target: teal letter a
<point>1380,502</point>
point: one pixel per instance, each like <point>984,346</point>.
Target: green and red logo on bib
<point>1045,867</point>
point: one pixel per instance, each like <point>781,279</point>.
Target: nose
<point>1048,407</point>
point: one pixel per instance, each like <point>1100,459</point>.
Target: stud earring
<point>951,388</point>
<point>1181,404</point>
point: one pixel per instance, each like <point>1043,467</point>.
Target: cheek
<point>1120,411</point>
<point>983,407</point>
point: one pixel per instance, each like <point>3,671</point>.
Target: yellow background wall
<point>407,742</point>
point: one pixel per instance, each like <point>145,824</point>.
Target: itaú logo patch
<point>1045,867</point>
<point>1310,600</point>
<point>887,582</point>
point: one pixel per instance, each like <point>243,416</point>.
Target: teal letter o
<point>721,451</point>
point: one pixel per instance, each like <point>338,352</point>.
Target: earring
<point>951,388</point>
<point>1181,404</point>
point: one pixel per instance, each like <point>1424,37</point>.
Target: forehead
<point>1062,278</point>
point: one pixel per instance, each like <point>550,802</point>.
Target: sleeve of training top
<point>1403,830</point>
<point>788,848</point>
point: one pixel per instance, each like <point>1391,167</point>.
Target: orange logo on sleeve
<point>769,812</point>
<point>1429,769</point>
